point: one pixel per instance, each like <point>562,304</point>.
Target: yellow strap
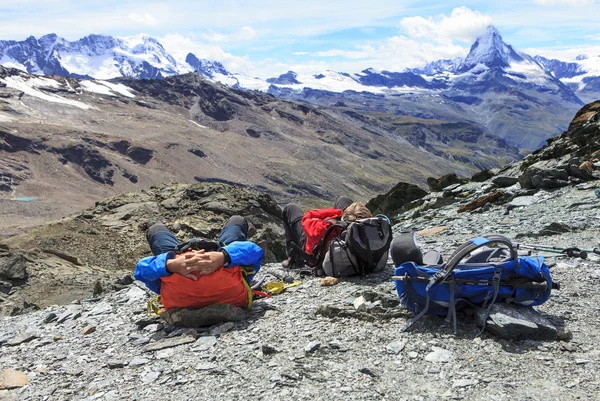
<point>246,270</point>
<point>154,306</point>
<point>277,287</point>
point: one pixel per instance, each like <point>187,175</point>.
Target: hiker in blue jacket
<point>234,250</point>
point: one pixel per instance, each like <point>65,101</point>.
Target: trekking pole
<point>595,250</point>
<point>571,252</point>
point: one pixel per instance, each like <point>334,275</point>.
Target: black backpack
<point>361,248</point>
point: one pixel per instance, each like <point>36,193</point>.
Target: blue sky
<point>265,38</point>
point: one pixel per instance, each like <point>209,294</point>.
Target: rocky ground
<point>310,342</point>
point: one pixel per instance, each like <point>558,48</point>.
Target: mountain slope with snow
<point>503,90</point>
<point>520,98</point>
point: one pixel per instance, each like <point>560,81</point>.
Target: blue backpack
<point>443,289</point>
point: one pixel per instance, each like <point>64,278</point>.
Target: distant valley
<point>71,141</point>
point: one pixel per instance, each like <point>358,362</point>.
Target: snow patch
<point>107,88</point>
<point>10,62</point>
<point>531,71</point>
<point>199,125</point>
<point>121,89</point>
<point>28,86</point>
<point>96,88</point>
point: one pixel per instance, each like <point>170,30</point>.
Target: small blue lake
<point>26,198</point>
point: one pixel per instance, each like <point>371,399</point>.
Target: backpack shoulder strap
<point>468,247</point>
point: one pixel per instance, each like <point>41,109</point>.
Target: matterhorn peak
<point>491,51</point>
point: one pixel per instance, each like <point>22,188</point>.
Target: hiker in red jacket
<point>304,231</point>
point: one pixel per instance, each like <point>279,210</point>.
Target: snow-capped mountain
<point>506,91</point>
<point>97,56</point>
<point>491,51</point>
<point>211,69</point>
<point>521,98</point>
<point>581,75</point>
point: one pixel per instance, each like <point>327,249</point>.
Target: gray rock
<point>205,343</point>
<point>150,377</point>
<point>312,346</point>
<point>208,316</point>
<point>396,347</point>
<point>13,267</point>
<point>137,361</point>
<point>360,304</point>
<point>545,174</point>
<point>206,366</point>
<point>5,287</point>
<point>439,355</point>
<point>523,201</point>
<point>101,308</point>
<point>221,328</point>
<point>505,181</point>
<point>516,322</point>
<point>268,350</point>
<point>21,338</point>
<point>153,328</point>
<point>168,343</point>
<point>138,339</point>
<point>146,321</point>
<point>70,313</point>
<point>115,364</point>
<point>135,295</point>
<point>50,317</point>
<point>464,383</point>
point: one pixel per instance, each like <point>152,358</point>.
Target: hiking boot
<point>290,263</point>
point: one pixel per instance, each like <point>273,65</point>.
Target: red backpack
<point>225,285</point>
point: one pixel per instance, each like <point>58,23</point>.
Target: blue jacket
<point>242,253</point>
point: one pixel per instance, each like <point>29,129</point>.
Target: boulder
<point>208,316</point>
<point>504,181</point>
<point>13,266</point>
<point>396,199</point>
<point>517,322</point>
<point>545,174</point>
<point>437,184</point>
<point>482,176</point>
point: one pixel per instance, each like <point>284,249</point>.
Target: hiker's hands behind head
<point>177,265</point>
<point>203,262</point>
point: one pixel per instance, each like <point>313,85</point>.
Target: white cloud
<point>179,46</point>
<point>143,19</point>
<point>426,40</point>
<point>463,24</point>
<point>245,33</point>
<point>568,53</point>
<point>572,3</point>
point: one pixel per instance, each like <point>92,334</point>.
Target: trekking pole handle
<point>469,246</point>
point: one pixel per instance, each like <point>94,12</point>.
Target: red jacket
<point>315,224</point>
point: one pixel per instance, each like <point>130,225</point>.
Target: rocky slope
<point>64,260</point>
<point>312,341</point>
<point>70,142</point>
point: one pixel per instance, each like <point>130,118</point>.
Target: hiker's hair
<point>356,211</point>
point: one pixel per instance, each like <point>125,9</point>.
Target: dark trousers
<point>292,224</point>
<point>161,240</point>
